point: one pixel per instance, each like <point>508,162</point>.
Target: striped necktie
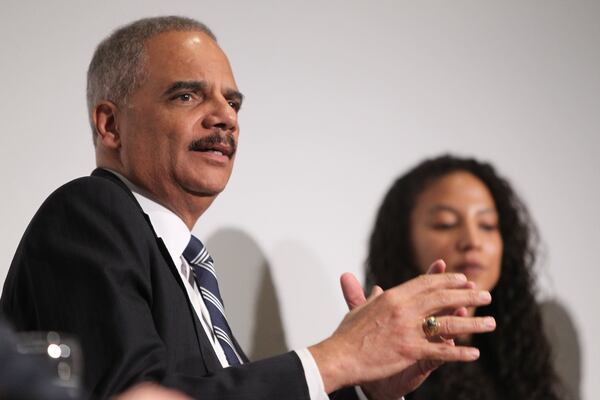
<point>206,279</point>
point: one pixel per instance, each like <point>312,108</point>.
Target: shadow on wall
<point>312,301</point>
<point>246,284</point>
<point>566,351</point>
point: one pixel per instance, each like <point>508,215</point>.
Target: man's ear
<point>105,121</point>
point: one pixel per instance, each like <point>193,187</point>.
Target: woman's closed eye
<point>443,225</point>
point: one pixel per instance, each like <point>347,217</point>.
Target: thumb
<point>426,367</point>
<point>438,267</point>
<point>352,290</point>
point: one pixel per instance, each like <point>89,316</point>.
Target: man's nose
<point>220,115</point>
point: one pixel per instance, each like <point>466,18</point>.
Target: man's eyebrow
<point>194,86</point>
<point>198,86</point>
<point>233,94</point>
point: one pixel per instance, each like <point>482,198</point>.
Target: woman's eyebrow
<point>442,207</point>
<point>487,210</point>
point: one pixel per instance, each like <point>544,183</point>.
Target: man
<point>111,259</point>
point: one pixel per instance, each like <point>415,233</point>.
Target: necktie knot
<point>196,253</point>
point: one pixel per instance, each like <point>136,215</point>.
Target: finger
<point>441,339</point>
<point>428,366</point>
<point>352,290</point>
<point>431,282</point>
<point>376,291</point>
<point>438,267</point>
<point>439,300</point>
<point>443,313</point>
<point>456,326</point>
<point>457,312</point>
<point>446,353</point>
<point>461,312</point>
<point>419,371</point>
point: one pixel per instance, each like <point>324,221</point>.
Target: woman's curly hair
<point>515,360</point>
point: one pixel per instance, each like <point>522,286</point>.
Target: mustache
<point>215,138</point>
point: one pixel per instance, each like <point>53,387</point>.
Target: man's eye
<point>185,97</point>
<point>235,105</point>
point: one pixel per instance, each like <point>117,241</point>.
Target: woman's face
<point>455,219</point>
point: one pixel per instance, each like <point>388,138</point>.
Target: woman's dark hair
<point>515,359</point>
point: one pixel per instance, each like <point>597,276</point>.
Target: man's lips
<point>221,145</point>
<point>217,149</point>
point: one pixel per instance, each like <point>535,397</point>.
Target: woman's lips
<point>469,267</point>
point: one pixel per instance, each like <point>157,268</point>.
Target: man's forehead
<point>183,44</point>
<point>187,55</point>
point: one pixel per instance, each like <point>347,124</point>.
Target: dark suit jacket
<point>90,264</point>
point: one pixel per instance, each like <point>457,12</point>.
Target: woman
<point>461,211</point>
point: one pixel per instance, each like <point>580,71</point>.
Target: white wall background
<point>342,96</point>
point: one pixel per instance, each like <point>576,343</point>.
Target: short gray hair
<point>117,66</point>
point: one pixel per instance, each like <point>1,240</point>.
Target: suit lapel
<point>239,350</point>
<point>209,358</point>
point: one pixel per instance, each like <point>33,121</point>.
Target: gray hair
<point>117,67</point>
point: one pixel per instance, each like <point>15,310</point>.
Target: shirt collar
<point>167,225</point>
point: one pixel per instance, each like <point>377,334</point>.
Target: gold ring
<point>431,326</point>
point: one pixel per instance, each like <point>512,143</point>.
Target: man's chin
<point>206,189</point>
<point>208,185</point>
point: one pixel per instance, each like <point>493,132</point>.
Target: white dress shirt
<point>176,236</point>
